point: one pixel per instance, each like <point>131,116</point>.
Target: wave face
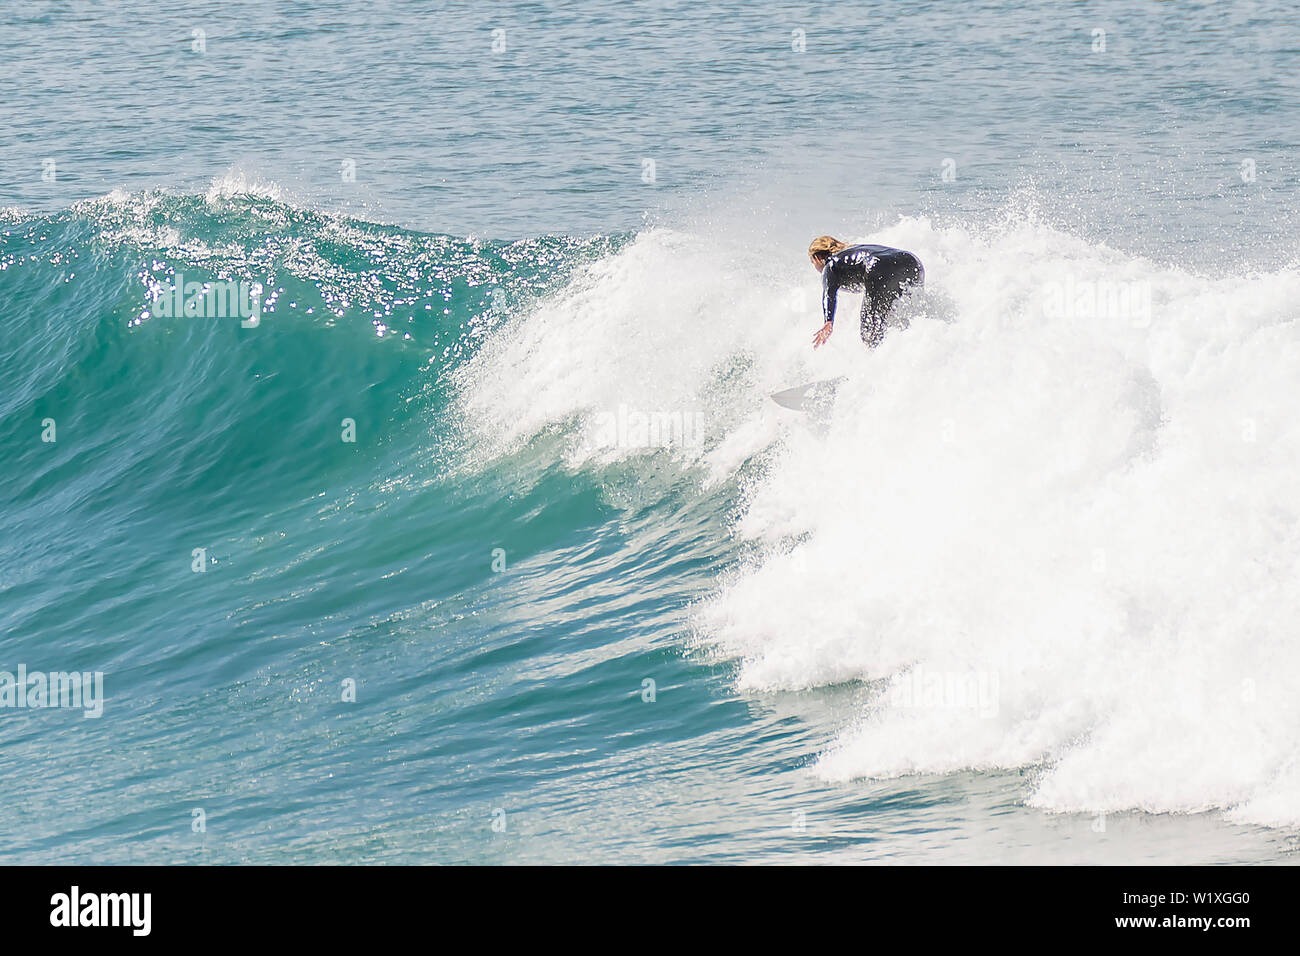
<point>1047,534</point>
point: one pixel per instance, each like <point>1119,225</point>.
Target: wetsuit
<point>882,274</point>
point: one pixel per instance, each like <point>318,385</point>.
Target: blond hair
<point>825,246</point>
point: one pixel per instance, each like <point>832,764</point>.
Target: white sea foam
<point>1069,488</point>
<point>237,181</point>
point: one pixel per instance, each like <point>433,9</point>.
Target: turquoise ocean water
<point>480,540</point>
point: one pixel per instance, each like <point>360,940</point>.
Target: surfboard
<point>810,397</point>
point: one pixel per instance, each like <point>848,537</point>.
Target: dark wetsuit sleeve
<point>830,289</point>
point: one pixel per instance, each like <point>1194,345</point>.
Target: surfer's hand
<point>823,334</point>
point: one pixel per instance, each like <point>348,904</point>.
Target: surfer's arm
<point>830,291</point>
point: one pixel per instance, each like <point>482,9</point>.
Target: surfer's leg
<point>885,286</point>
<point>883,289</point>
<point>873,320</point>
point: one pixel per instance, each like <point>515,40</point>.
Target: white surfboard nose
<point>803,398</point>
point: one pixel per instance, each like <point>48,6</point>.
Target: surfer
<point>882,275</point>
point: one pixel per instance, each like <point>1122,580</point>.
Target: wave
<point>131,437</point>
<point>1053,522</point>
